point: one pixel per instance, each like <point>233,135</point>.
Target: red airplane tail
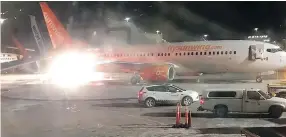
<point>20,47</point>
<point>59,36</point>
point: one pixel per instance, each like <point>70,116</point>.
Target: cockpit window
<point>274,50</point>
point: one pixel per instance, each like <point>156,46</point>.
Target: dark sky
<point>218,19</point>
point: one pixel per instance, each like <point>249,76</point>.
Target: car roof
<point>159,85</point>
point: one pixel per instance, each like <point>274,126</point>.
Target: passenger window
<point>184,53</point>
<point>188,53</point>
<point>197,53</point>
<point>234,52</point>
<point>180,54</point>
<point>150,88</point>
<point>176,54</point>
<point>201,53</point>
<point>171,89</point>
<point>165,54</point>
<point>226,52</point>
<point>162,54</point>
<point>213,53</point>
<point>253,95</point>
<point>217,52</point>
<point>205,53</point>
<point>160,88</point>
<point>158,54</point>
<point>222,94</point>
<point>168,54</point>
<point>210,53</point>
<point>229,52</point>
<point>221,52</point>
<point>192,53</point>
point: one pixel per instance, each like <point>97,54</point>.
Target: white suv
<point>166,94</point>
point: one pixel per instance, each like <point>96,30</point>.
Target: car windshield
<point>264,94</point>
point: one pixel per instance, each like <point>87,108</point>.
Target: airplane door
<point>255,52</point>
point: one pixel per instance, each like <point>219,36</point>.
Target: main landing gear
<point>135,79</point>
<point>198,80</point>
<point>259,79</point>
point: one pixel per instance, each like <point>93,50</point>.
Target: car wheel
<point>186,101</point>
<point>276,112</point>
<point>221,111</point>
<point>150,102</point>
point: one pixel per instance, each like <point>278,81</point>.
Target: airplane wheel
<point>135,80</point>
<point>258,79</point>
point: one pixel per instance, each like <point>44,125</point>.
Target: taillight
<point>140,93</point>
<point>202,101</point>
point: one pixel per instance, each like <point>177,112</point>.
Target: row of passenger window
<point>206,53</point>
<point>6,58</point>
<point>169,54</point>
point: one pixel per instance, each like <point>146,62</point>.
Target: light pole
<point>205,37</point>
<point>157,31</point>
<point>127,19</point>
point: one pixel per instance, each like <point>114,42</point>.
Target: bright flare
<point>72,69</point>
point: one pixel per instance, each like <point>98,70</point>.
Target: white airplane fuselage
<point>8,57</point>
<point>231,56</point>
<point>238,62</point>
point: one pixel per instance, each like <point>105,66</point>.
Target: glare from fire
<point>73,69</point>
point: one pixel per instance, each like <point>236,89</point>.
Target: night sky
<point>221,20</point>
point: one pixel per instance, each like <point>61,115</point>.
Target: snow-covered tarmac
<point>34,110</point>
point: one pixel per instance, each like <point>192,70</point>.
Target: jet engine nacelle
<point>158,73</point>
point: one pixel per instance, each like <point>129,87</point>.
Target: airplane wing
<point>18,63</point>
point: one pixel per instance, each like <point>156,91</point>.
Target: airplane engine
<point>158,73</point>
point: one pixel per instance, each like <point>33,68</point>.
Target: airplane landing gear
<point>198,80</point>
<point>258,79</point>
<point>135,79</point>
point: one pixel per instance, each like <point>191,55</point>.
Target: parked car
<point>166,94</point>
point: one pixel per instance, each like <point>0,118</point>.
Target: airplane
<point>162,62</point>
<point>12,57</point>
<point>7,57</point>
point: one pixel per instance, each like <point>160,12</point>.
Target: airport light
<point>94,33</point>
<point>157,31</point>
<point>256,29</point>
<point>2,21</point>
<point>127,19</point>
<point>206,35</point>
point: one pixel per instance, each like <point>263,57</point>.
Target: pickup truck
<point>222,101</point>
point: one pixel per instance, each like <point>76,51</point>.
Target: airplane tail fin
<point>58,34</point>
<point>20,47</point>
<point>37,35</point>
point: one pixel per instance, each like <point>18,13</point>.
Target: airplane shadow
<point>205,115</point>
